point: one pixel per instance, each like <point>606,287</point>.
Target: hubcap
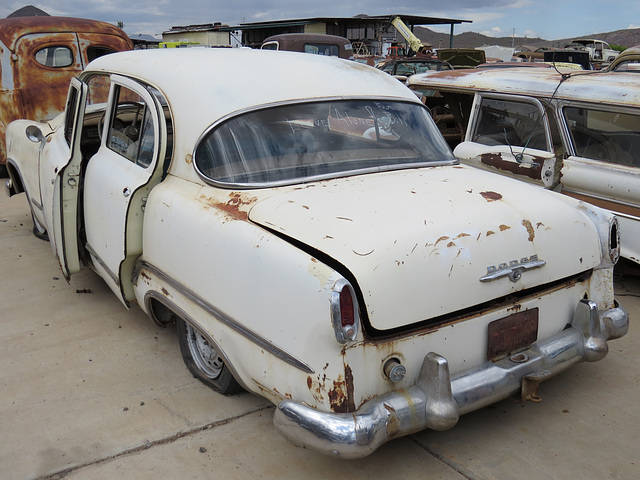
<point>204,354</point>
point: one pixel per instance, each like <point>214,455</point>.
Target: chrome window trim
<point>316,178</point>
<point>222,317</point>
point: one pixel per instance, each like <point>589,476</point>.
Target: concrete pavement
<point>93,391</point>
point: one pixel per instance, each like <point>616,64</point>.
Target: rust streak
<point>530,170</point>
<point>441,239</point>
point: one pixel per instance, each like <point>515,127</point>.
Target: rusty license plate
<point>512,333</point>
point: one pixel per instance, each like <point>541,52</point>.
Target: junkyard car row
<point>316,242</point>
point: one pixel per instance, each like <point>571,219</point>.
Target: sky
<point>547,19</point>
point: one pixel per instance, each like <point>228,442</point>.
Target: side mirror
<point>34,134</point>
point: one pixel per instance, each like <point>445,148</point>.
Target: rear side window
<point>95,52</point>
<point>55,56</point>
<point>604,135</point>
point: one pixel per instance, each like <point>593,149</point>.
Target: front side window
<point>55,56</point>
<point>604,135</point>
<point>294,143</point>
<point>511,122</point>
<point>70,114</point>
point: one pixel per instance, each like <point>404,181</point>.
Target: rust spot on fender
<point>491,196</point>
<point>235,207</point>
<point>189,159</point>
<point>527,224</point>
<point>341,396</point>
<point>490,232</point>
<point>165,292</point>
<point>504,227</point>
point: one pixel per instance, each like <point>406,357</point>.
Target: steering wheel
<point>593,145</point>
<point>121,122</point>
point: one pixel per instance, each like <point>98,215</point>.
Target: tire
<point>203,361</point>
<point>3,171</point>
<point>38,230</point>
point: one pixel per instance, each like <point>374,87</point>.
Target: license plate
<point>512,333</point>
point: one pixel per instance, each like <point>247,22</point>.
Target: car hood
<point>418,241</point>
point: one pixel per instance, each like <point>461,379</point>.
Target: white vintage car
<point>315,240</point>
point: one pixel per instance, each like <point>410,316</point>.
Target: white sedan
<point>308,229</point>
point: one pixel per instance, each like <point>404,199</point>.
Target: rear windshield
<point>296,143</point>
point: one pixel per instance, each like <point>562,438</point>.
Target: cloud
<point>493,32</point>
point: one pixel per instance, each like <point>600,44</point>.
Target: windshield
<point>296,143</point>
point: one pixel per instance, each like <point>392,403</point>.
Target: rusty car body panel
<point>39,56</point>
<point>581,134</point>
<point>316,242</point>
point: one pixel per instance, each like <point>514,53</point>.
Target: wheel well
<point>160,313</point>
<point>15,177</point>
<point>163,315</point>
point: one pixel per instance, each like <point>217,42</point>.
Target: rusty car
<point>571,131</point>
<point>38,57</point>
<point>316,242</point>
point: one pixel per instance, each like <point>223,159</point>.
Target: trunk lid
<point>419,241</point>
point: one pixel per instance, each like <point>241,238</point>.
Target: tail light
<point>344,311</point>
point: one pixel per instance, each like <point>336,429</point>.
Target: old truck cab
<point>38,58</point>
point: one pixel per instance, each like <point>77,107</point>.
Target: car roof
<point>11,29</point>
<point>204,85</point>
<point>612,88</point>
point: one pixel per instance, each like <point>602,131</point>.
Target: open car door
<point>60,181</point>
<point>511,135</point>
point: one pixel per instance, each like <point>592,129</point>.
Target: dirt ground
<point>93,391</point>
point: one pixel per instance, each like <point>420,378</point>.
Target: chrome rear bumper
<point>437,399</point>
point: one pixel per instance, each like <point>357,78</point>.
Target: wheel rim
<point>204,354</point>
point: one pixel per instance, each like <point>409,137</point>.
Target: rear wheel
<point>204,361</point>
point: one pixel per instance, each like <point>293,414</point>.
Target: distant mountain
<point>625,38</point>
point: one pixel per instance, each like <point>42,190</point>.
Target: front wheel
<point>203,360</point>
<point>38,229</point>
